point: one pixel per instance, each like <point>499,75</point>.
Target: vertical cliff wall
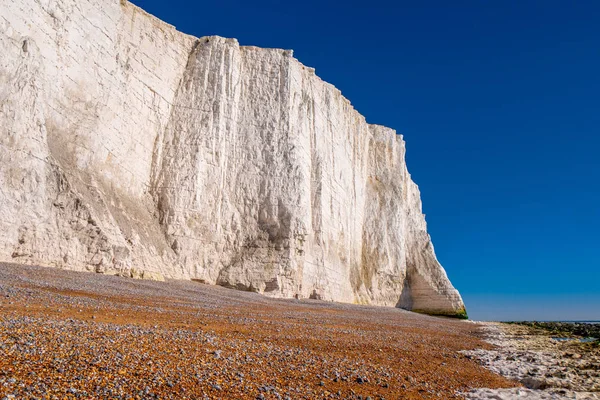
<point>127,147</point>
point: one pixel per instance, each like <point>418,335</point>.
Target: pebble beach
<point>69,335</point>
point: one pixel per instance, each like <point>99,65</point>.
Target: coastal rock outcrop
<point>127,147</point>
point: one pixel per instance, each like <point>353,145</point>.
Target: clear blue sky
<point>499,103</point>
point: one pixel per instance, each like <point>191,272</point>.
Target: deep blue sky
<point>499,103</point>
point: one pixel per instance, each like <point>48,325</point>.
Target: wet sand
<point>82,335</point>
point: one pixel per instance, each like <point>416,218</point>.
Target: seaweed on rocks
<point>582,329</point>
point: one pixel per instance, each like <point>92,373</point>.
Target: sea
<point>578,322</point>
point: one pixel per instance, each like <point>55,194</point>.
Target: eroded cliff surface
<point>127,147</point>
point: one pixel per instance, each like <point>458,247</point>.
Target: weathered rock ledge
<point>127,147</point>
<point>549,369</point>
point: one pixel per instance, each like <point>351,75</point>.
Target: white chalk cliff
<point>127,147</point>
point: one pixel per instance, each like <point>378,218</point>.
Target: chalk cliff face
<point>129,148</point>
